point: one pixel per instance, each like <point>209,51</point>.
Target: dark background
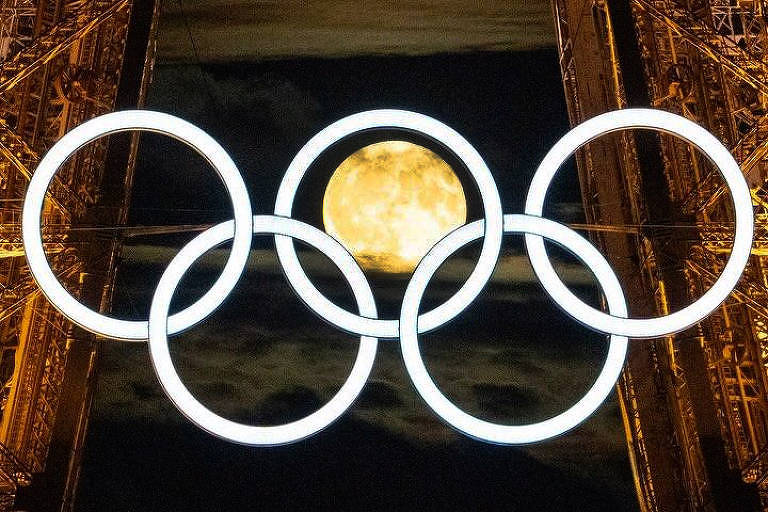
<point>263,358</point>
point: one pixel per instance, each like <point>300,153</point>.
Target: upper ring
<point>428,127</point>
<point>742,204</point>
<point>107,124</point>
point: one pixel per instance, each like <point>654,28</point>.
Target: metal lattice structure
<point>695,405</point>
<point>60,64</point>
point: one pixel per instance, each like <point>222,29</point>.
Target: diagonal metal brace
<point>47,46</point>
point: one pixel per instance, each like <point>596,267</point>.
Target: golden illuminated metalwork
<point>694,405</point>
<point>61,62</point>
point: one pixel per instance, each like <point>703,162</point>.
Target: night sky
<point>263,358</point>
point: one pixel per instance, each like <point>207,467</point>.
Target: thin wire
<point>196,53</point>
<point>576,225</point>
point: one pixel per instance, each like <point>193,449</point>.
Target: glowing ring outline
<point>107,124</point>
<point>485,430</point>
<point>435,130</point>
<point>728,168</point>
<point>221,427</point>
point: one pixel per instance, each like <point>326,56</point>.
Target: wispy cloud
<point>511,269</point>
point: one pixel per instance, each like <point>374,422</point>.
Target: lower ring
<point>493,432</point>
<point>197,412</point>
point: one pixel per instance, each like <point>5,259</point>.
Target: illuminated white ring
<point>494,432</point>
<point>433,129</point>
<point>120,122</point>
<point>197,412</point>
<point>742,203</point>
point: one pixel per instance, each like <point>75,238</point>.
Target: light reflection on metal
<point>41,43</point>
<point>366,324</point>
<point>695,422</point>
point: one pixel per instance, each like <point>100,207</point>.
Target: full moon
<point>388,203</point>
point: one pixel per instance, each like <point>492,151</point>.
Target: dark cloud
<point>511,269</point>
<point>507,362</point>
<point>378,395</point>
<point>352,466</point>
<point>142,391</point>
<point>504,400</point>
<point>262,113</point>
<point>255,29</point>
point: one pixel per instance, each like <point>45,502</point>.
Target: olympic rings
<point>366,324</point>
<point>120,122</point>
